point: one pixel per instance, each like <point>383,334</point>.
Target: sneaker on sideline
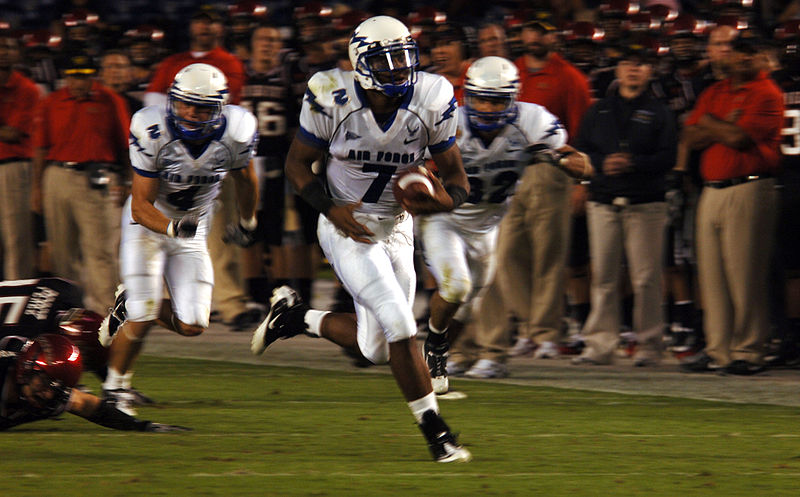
<point>547,350</point>
<point>487,368</point>
<point>523,346</point>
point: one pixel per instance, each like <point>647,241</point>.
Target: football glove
<point>164,428</point>
<point>238,234</point>
<point>185,227</point>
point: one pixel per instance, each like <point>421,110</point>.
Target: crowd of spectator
<point>678,105</point>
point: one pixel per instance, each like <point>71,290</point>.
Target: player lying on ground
<point>37,380</point>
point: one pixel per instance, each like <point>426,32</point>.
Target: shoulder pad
<point>322,85</point>
<point>433,91</point>
<point>145,120</point>
<point>241,123</point>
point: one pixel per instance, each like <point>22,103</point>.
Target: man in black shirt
<point>631,139</point>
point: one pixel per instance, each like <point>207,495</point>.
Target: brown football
<point>413,183</point>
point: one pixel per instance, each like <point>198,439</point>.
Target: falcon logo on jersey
<point>412,131</point>
<point>553,129</point>
<point>314,105</point>
<point>348,135</point>
<point>447,114</point>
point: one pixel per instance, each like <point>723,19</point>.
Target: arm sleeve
<point>443,133</point>
<point>27,102</point>
<point>111,417</point>
<point>580,99</point>
<point>41,137</point>
<point>141,148</point>
<point>316,121</point>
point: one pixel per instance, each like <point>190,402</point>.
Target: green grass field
<point>272,431</point>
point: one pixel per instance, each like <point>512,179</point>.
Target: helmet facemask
<point>189,129</point>
<point>391,68</point>
<point>490,120</point>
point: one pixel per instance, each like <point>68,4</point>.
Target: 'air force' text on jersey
<point>190,178</point>
<point>366,156</point>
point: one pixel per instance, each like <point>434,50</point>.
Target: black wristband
<point>457,193</point>
<point>314,194</point>
<point>111,417</point>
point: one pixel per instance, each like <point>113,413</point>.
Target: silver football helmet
<point>201,85</point>
<point>384,56</point>
<point>492,78</point>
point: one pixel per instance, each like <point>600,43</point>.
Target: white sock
<point>114,380</point>
<point>427,403</point>
<point>126,380</point>
<point>434,329</point>
<point>313,319</point>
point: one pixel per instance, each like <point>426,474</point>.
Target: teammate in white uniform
<point>373,123</point>
<point>180,155</point>
<point>498,137</point>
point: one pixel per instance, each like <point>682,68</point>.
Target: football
<point>413,183</point>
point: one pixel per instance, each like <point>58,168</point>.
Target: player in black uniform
<point>30,308</point>
<point>787,263</point>
<point>269,94</point>
<point>37,380</point>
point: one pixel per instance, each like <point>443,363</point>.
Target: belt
<point>77,166</point>
<point>725,183</point>
<point>12,159</point>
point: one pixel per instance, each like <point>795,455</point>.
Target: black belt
<point>725,183</point>
<point>12,159</point>
<point>77,166</point>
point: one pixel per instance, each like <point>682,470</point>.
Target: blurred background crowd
<point>119,45</point>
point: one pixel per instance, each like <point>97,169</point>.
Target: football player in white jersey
<point>498,137</point>
<point>180,155</point>
<point>373,123</point>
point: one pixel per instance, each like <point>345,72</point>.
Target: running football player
<point>373,123</point>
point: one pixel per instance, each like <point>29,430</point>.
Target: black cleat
<point>116,316</point>
<point>436,358</point>
<point>443,445</point>
<point>284,319</point>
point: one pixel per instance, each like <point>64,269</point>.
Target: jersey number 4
<point>183,199</point>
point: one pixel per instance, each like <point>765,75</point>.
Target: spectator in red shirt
<point>19,97</point>
<point>80,138</point>
<point>203,47</point>
<point>737,123</point>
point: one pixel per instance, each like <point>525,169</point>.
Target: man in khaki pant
<point>80,135</point>
<point>19,97</point>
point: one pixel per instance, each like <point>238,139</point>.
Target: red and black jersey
<point>270,97</point>
<point>31,307</point>
<point>12,409</point>
<point>790,143</point>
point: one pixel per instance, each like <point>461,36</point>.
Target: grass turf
<point>273,431</point>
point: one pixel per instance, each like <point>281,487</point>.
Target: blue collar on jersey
<point>362,97</point>
<point>198,149</point>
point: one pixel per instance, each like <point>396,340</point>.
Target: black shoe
<point>443,445</point>
<point>140,399</point>
<point>436,358</point>
<point>743,368</point>
<point>245,320</point>
<point>699,363</point>
<point>122,399</point>
<point>284,320</point>
<point>116,316</point>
